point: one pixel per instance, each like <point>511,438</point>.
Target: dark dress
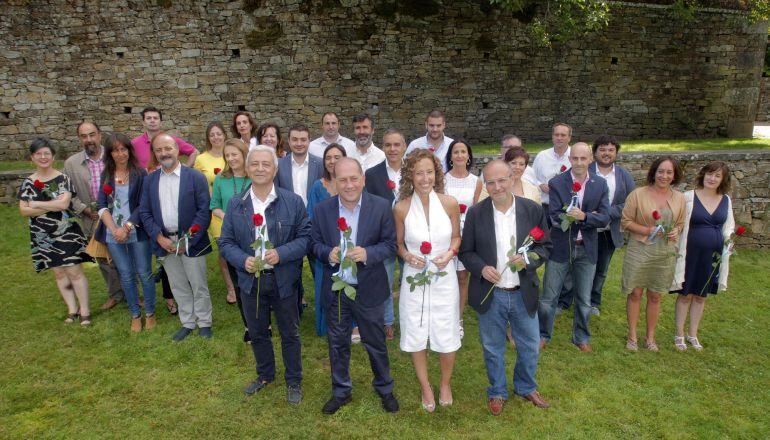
<point>55,239</point>
<point>704,239</point>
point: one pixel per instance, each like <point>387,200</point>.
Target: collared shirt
<point>395,176</point>
<point>259,207</point>
<point>142,148</point>
<point>95,167</point>
<point>439,152</point>
<point>505,228</point>
<point>610,178</point>
<point>299,177</point>
<point>372,157</point>
<point>317,146</point>
<point>351,217</point>
<point>548,164</point>
<point>168,196</point>
<point>580,195</point>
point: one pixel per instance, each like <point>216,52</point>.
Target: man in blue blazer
<point>373,234</point>
<point>574,250</point>
<point>175,203</point>
<point>288,231</point>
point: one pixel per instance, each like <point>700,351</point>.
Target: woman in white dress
<point>428,314</point>
<point>465,188</point>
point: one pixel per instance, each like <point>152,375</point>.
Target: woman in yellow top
<point>654,216</point>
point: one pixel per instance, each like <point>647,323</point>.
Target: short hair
<point>40,143</point>
<point>109,163</point>
<point>390,131</point>
<point>242,147</point>
<point>654,169</point>
<point>329,113</point>
<point>349,159</point>
<point>711,167</point>
<point>253,124</point>
<point>299,127</point>
<point>491,163</point>
<point>448,157</point>
<point>514,152</point>
<point>263,149</point>
<point>327,175</point>
<point>562,124</point>
<point>436,114</point>
<point>361,117</point>
<point>87,122</point>
<point>210,127</point>
<point>151,109</point>
<point>508,137</point>
<point>605,139</point>
<point>159,135</point>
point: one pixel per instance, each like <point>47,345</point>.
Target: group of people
<point>355,210</point>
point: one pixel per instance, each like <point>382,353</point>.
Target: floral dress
<point>55,238</point>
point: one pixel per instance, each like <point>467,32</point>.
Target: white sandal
<point>694,342</point>
<point>679,343</point>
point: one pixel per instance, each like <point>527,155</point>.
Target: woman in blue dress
<point>709,224</point>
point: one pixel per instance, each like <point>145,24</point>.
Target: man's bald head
<point>166,150</point>
<point>495,164</point>
<point>580,147</point>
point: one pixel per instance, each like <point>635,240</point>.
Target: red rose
<point>38,184</point>
<point>563,168</point>
<point>217,170</point>
<point>391,184</point>
<point>432,150</point>
<point>194,229</point>
<point>463,208</point>
<point>656,215</point>
<point>576,186</point>
<point>536,233</point>
<point>258,219</point>
<point>342,224</point>
<point>425,247</point>
<point>107,189</point>
<point>740,231</point>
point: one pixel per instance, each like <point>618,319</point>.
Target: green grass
<point>655,145</point>
<point>60,381</point>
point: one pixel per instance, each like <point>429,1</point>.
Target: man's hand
<point>271,257</point>
<point>518,260</point>
<point>490,274</point>
<point>577,214</point>
<point>166,243</point>
<point>249,264</point>
<point>334,255</point>
<point>544,187</point>
<point>91,214</point>
<point>357,254</point>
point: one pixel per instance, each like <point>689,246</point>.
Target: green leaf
<point>350,292</point>
<point>410,279</point>
<point>411,287</point>
<point>533,256</point>
<point>338,285</point>
<point>513,241</point>
<point>442,273</point>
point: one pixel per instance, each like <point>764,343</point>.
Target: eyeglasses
<point>498,182</point>
<point>43,154</point>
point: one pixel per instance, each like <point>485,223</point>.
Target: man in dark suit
<point>582,198</point>
<point>175,202</point>
<point>288,230</point>
<point>383,180</point>
<point>373,234</point>
<point>498,294</point>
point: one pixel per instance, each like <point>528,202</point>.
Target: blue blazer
<point>134,199</point>
<point>193,205</point>
<point>377,182</point>
<point>595,206</point>
<point>624,184</point>
<point>288,229</point>
<point>283,179</point>
<point>376,233</point>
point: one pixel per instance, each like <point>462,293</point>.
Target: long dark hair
<point>332,146</point>
<point>109,162</point>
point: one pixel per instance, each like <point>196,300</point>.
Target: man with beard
<point>152,121</point>
<point>175,214</point>
<point>330,124</point>
<point>434,140</point>
<point>85,170</point>
<point>366,153</point>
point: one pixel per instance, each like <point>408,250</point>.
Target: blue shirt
<point>352,220</point>
<point>121,213</point>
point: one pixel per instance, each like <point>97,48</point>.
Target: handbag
<point>95,248</point>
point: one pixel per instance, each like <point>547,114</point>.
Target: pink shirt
<point>142,148</point>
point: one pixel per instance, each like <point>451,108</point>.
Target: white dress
<point>440,312</point>
<point>463,191</point>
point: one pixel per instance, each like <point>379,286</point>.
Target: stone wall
<point>763,108</point>
<point>648,75</point>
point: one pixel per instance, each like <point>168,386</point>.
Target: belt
<point>268,271</point>
<point>579,242</point>
<point>509,289</point>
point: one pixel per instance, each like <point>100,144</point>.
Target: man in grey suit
<point>500,295</point>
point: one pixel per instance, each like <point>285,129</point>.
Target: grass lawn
<point>60,381</point>
<point>654,145</point>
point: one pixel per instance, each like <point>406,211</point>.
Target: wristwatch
<point>130,225</point>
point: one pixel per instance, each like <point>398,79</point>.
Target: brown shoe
<point>109,304</point>
<point>542,344</point>
<point>585,348</point>
<point>537,400</point>
<point>136,324</point>
<point>495,405</point>
<point>149,322</point>
<point>389,332</point>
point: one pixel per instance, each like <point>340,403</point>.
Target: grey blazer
<point>284,180</point>
<point>76,169</point>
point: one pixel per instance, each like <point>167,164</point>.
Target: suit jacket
<point>377,182</point>
<point>76,169</point>
<point>595,206</point>
<point>376,233</point>
<point>193,205</point>
<point>624,184</point>
<point>479,249</point>
<point>288,229</point>
<point>283,178</point>
<point>134,200</point>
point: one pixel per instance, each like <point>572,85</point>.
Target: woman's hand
<point>119,234</point>
<point>673,235</point>
<point>414,260</point>
<point>442,260</point>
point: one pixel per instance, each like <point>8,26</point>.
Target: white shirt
<point>299,177</point>
<point>317,146</point>
<point>259,207</point>
<point>168,197</point>
<point>395,176</point>
<point>610,178</point>
<point>548,164</point>
<point>439,152</point>
<point>252,143</point>
<point>529,175</point>
<point>505,228</point>
<point>372,157</point>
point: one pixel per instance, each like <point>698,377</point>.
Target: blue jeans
<point>390,268</point>
<point>583,276</point>
<point>606,249</point>
<point>509,307</point>
<point>132,259</point>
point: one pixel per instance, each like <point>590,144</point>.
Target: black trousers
<point>234,277</point>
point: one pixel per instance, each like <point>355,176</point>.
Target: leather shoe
<point>335,403</point>
<point>389,403</point>
<point>294,394</point>
<point>109,304</point>
<point>255,386</point>
<point>495,405</point>
<point>149,322</point>
<point>389,333</point>
<point>181,334</point>
<point>585,348</point>
<point>136,324</point>
<point>205,332</point>
<point>536,400</point>
<point>542,344</point>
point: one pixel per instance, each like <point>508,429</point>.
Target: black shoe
<point>389,403</point>
<point>255,386</point>
<point>294,394</point>
<point>335,403</point>
<point>246,337</point>
<point>205,332</point>
<point>181,334</point>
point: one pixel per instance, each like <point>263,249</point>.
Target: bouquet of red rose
<point>535,234</point>
<point>727,249</point>
<point>566,219</point>
<point>339,285</point>
<point>426,277</point>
